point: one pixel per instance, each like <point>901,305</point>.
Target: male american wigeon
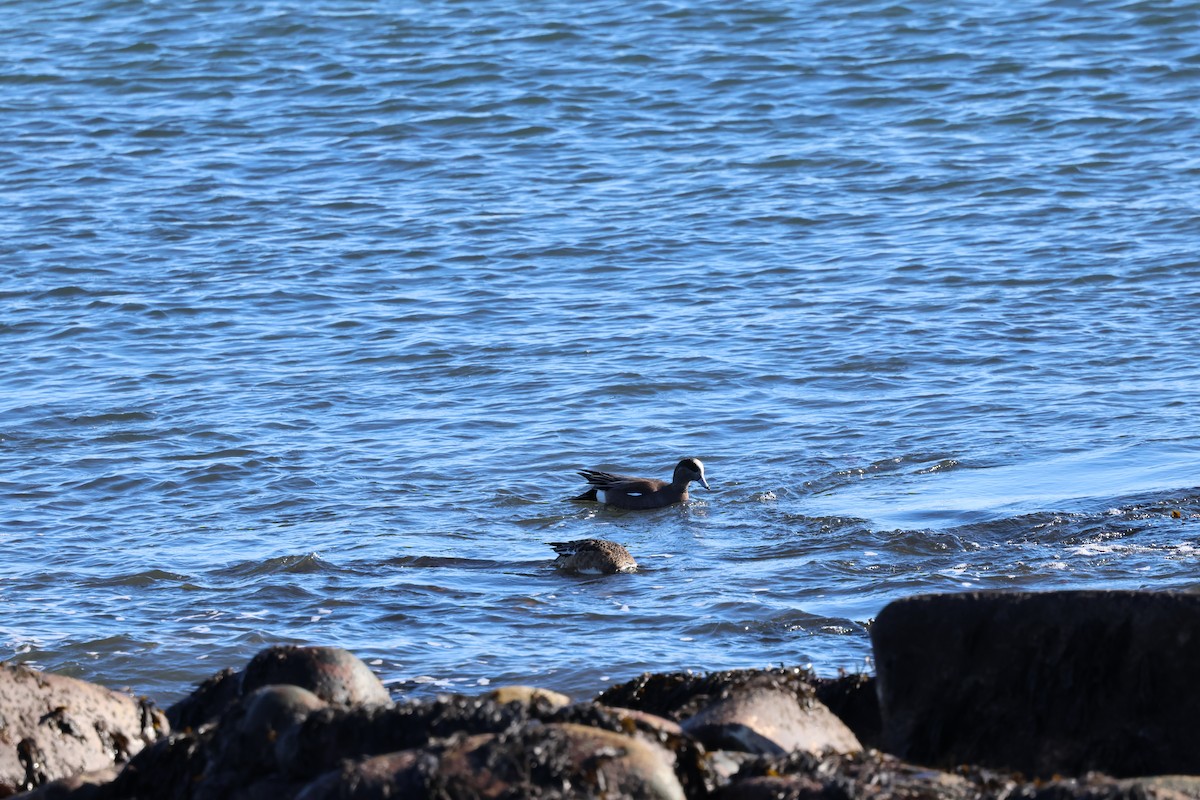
<point>623,491</point>
<point>593,557</point>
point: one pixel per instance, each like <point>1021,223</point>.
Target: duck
<point>593,557</point>
<point>624,491</point>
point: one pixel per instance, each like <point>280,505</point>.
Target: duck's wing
<point>626,484</point>
<point>571,548</point>
<point>605,480</point>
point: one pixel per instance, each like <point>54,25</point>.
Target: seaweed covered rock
<point>407,774</point>
<point>691,764</point>
<point>871,774</point>
<point>559,760</point>
<point>52,727</point>
<point>328,736</point>
<point>234,757</point>
<point>169,769</point>
<point>207,702</point>
<point>867,774</point>
<point>234,725</point>
<point>1045,683</point>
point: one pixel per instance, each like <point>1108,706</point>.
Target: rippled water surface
<point>309,312</point>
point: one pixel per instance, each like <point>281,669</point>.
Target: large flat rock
<point>1047,683</point>
<point>52,727</point>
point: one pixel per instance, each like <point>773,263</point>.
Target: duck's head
<point>690,469</point>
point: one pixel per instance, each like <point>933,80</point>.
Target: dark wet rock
<point>332,674</point>
<point>657,736</point>
<point>1044,683</point>
<point>853,698</point>
<point>248,733</point>
<point>234,758</point>
<point>690,762</point>
<point>169,769</point>
<point>207,702</point>
<point>777,787</point>
<point>327,736</point>
<point>557,760</point>
<point>762,717</point>
<point>875,775</point>
<point>869,774</point>
<point>240,752</point>
<point>269,787</point>
<point>52,727</point>
<point>408,774</point>
<point>1102,787</point>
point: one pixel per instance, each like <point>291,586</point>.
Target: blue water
<point>309,312</point>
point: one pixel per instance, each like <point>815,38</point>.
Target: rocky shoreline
<point>1082,694</point>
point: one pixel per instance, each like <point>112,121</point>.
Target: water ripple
<point>310,314</point>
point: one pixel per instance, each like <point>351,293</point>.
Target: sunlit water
<point>309,312</point>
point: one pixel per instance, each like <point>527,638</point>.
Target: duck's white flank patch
<point>602,495</point>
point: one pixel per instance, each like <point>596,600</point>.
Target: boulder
<point>52,727</point>
<point>556,760</point>
<point>332,674</point>
<point>767,711</point>
<point>329,735</point>
<point>687,757</point>
<point>1046,683</point>
<point>248,734</point>
<point>761,717</point>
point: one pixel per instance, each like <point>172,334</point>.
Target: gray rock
<point>52,727</point>
<point>1045,683</point>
